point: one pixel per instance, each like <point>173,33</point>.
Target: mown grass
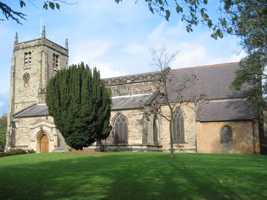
<point>128,176</point>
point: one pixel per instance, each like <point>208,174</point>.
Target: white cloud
<point>93,53</point>
<point>89,51</point>
<point>119,56</point>
<point>238,56</point>
<point>107,70</point>
<point>123,12</point>
<point>190,54</point>
<point>192,49</point>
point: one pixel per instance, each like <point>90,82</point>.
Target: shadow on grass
<point>134,176</point>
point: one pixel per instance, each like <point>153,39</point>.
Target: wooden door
<point>44,144</point>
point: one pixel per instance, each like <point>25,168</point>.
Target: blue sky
<point>116,38</point>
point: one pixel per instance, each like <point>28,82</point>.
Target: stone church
<point>223,122</point>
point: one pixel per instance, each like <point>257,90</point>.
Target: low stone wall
<point>134,148</point>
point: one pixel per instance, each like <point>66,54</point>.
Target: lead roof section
<point>36,110</point>
<point>225,111</point>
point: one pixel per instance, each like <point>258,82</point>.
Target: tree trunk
<point>171,138</point>
<point>101,146</point>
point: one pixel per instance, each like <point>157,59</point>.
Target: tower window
<point>55,61</point>
<point>27,57</point>
<point>26,78</point>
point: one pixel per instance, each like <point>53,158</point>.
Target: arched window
<point>26,78</point>
<point>155,130</point>
<point>120,130</point>
<point>178,127</point>
<point>226,135</point>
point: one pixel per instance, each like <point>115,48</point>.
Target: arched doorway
<point>43,142</point>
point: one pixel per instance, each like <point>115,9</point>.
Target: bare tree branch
<point>9,13</point>
<point>162,60</point>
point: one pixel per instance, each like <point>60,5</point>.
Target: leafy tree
<point>9,12</point>
<point>195,12</point>
<point>3,126</point>
<point>251,26</point>
<point>248,20</point>
<point>190,12</point>
<point>80,104</point>
<point>244,18</point>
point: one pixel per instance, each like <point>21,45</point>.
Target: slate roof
<point>225,110</point>
<point>35,110</point>
<point>118,103</point>
<point>212,81</point>
<point>131,101</point>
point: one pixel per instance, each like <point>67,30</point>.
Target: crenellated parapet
<point>133,84</point>
<point>136,78</point>
<point>41,42</point>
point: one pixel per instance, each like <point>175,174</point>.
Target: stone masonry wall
<point>29,129</point>
<point>133,88</point>
<point>189,129</point>
<point>40,69</point>
<point>135,125</point>
<point>245,137</point>
<point>133,84</point>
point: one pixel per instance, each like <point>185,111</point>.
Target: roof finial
<point>66,43</point>
<point>16,38</point>
<point>43,32</point>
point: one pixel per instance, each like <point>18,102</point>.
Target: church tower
<point>33,63</point>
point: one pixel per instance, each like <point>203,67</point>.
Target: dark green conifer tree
<point>80,104</point>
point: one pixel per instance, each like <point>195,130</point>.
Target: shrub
<point>3,126</point>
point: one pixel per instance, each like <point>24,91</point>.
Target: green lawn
<point>133,176</point>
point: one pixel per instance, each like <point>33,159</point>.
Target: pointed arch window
<point>26,79</point>
<point>226,137</point>
<point>120,130</point>
<point>155,130</point>
<point>178,127</point>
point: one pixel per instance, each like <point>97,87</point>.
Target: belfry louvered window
<point>120,131</point>
<point>27,58</point>
<point>178,127</point>
<point>55,61</point>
